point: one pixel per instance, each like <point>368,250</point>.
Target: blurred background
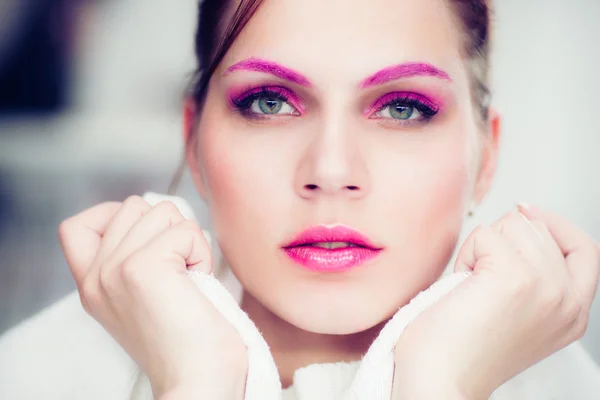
<point>90,103</point>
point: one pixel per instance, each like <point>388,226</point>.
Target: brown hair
<point>219,27</point>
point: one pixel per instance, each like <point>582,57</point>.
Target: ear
<point>191,151</point>
<point>489,156</point>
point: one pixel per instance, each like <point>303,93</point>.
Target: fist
<point>130,261</point>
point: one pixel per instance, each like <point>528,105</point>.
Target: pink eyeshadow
<point>390,97</point>
<point>235,95</point>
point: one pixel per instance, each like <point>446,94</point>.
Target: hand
<point>533,282</point>
<point>129,261</point>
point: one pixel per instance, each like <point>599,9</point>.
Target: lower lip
<point>319,259</point>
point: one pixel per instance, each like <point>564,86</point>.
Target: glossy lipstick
<point>331,249</point>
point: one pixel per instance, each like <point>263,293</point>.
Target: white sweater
<point>63,354</point>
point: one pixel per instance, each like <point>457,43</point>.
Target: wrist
<point>423,377</point>
<point>221,389</point>
<point>213,382</point>
<point>433,390</point>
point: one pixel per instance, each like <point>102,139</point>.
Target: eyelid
<point>388,98</point>
<point>290,97</point>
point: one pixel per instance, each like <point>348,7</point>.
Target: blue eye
<point>265,102</point>
<point>405,106</point>
<point>269,105</point>
<point>399,111</point>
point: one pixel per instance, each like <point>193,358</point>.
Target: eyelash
<point>243,102</point>
<point>408,99</point>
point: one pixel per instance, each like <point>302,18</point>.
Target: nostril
<point>311,187</point>
<point>352,187</point>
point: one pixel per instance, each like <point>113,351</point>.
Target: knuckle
<point>480,230</point>
<point>555,297</point>
<point>167,207</point>
<point>513,216</point>
<point>509,216</point>
<point>64,229</point>
<point>189,225</point>
<point>135,201</point>
<point>189,228</point>
<point>578,328</point>
<point>130,271</point>
<point>105,280</point>
<point>567,303</point>
<point>484,232</point>
<point>85,304</point>
<point>581,327</point>
<point>514,220</point>
<point>574,311</point>
<point>89,295</point>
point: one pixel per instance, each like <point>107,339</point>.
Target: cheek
<point>226,177</point>
<point>440,182</point>
<point>431,187</point>
<point>240,172</point>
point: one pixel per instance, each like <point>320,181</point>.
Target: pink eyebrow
<point>270,67</point>
<point>403,71</point>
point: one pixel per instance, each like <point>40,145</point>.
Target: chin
<point>336,314</point>
<point>341,326</point>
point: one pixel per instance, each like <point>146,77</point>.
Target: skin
<point>415,183</point>
<point>407,187</point>
<point>129,261</point>
<point>530,265</point>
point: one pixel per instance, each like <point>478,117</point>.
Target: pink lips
<point>305,253</point>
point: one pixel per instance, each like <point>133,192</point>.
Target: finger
<point>567,236</point>
<point>485,248</point>
<point>522,235</point>
<point>550,244</point>
<point>81,235</point>
<point>183,246</point>
<point>133,209</point>
<point>584,267</point>
<point>161,217</point>
<point>580,252</point>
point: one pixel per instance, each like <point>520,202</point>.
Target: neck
<point>294,348</point>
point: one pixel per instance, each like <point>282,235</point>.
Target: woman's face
<point>325,114</point>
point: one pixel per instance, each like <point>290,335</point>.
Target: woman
<point>338,149</point>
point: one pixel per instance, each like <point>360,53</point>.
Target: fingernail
<point>523,216</point>
<point>524,206</point>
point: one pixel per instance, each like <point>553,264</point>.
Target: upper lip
<point>338,233</point>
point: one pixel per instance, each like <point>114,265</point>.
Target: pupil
<point>402,111</point>
<point>272,104</point>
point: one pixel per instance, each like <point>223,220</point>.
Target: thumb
<point>484,248</point>
<point>567,236</point>
<point>581,252</point>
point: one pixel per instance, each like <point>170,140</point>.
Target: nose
<point>332,164</point>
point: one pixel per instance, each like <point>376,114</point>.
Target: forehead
<point>348,39</point>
